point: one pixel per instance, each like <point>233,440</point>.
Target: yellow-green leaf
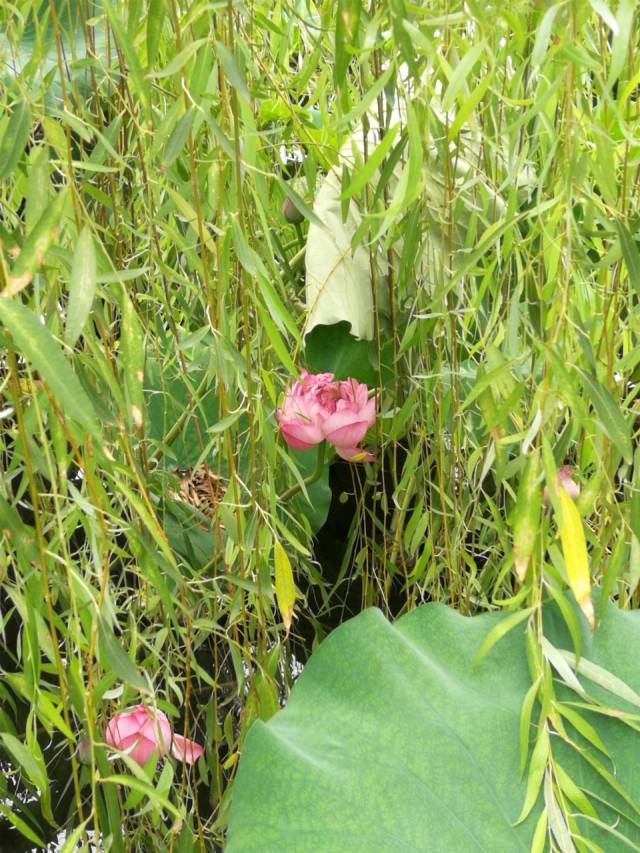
<point>574,548</point>
<point>83,286</point>
<point>285,588</point>
<point>36,246</point>
<point>36,343</point>
<point>15,138</point>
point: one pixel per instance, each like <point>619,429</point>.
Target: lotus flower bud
<point>566,481</point>
<point>83,751</point>
<point>291,212</point>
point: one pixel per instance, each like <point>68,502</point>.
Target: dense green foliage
<point>152,311</point>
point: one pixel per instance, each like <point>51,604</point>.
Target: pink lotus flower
<point>346,426</point>
<point>305,408</point>
<point>141,731</point>
<point>319,408</point>
<point>566,481</point>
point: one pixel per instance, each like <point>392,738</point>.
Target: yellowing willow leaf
<point>574,548</point>
<point>132,361</point>
<point>36,246</point>
<point>285,588</point>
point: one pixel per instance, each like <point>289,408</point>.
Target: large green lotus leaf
<point>392,741</point>
<point>333,349</point>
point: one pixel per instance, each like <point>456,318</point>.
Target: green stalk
<point>312,478</point>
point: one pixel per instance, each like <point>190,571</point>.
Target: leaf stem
<point>297,487</point>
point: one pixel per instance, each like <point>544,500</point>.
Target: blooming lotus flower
<point>319,408</point>
<point>142,731</point>
<point>346,426</point>
<point>305,409</point>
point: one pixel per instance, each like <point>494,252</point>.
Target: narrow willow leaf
<point>232,70</point>
<point>414,173</point>
<point>555,814</point>
<point>73,839</point>
<point>603,678</point>
<point>155,20</point>
<point>121,275</point>
<point>146,788</point>
<point>373,163</point>
<point>83,286</point>
<point>630,254</point>
<point>539,840</point>
<point>36,343</point>
<point>610,779</point>
<point>140,84</point>
<point>150,521</point>
<point>285,587</point>
<point>573,792</point>
<point>367,99</point>
<point>543,33</point>
<point>276,340</point>
<point>570,617</point>
<point>605,827</point>
<point>113,657</point>
<point>606,14</point>
<point>15,138</point>
<point>525,722</point>
<point>24,757</point>
<point>488,380</point>
<point>401,36</point>
<point>526,514</point>
<point>226,423</point>
<point>38,186</point>
<point>500,630</point>
<point>589,846</point>
<point>108,802</point>
<point>559,663</point>
<point>191,217</point>
<point>634,522</point>
<point>634,508</point>
<point>614,424</point>
<point>581,725</point>
<point>576,559</point>
<point>462,71</point>
<point>614,568</point>
<point>21,826</point>
<point>468,104</point>
<point>634,563</point>
<point>179,61</point>
<point>620,46</point>
<point>346,32</point>
<point>178,138</point>
<point>536,772</point>
<point>36,245</point>
<point>132,362</point>
<point>22,536</point>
